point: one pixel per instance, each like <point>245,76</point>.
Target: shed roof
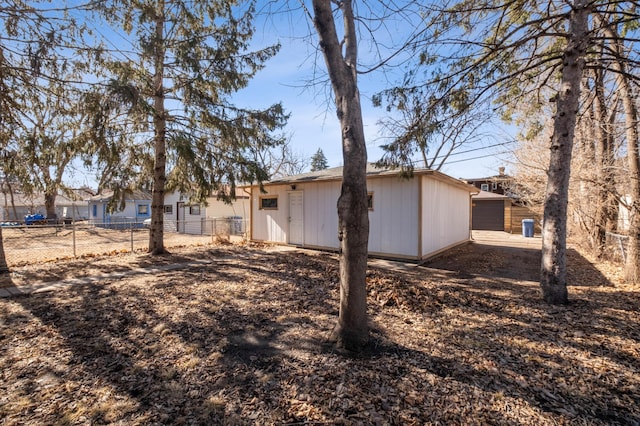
<point>486,195</point>
<point>335,174</point>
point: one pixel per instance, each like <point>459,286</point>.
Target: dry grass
<point>241,341</point>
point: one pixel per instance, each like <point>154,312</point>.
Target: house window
<point>269,203</point>
<point>370,200</point>
<point>484,187</point>
<point>494,185</point>
<point>194,210</point>
<point>143,209</point>
<point>95,210</point>
<point>168,209</point>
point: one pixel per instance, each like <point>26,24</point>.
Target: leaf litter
<point>240,338</point>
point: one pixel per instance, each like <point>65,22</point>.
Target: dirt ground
<point>504,255</point>
<point>240,337</point>
<point>28,245</point>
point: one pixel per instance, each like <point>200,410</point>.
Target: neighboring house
<point>15,208</point>
<point>498,184</point>
<point>191,218</point>
<point>497,207</point>
<point>179,214</point>
<point>412,218</point>
<point>137,208</point>
<point>495,212</point>
<point>489,211</point>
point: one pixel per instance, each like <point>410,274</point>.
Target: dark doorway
<point>488,215</point>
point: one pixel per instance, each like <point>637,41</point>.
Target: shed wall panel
<point>445,215</point>
<point>270,225</point>
<point>321,214</point>
<point>393,221</point>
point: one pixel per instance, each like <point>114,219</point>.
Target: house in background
<point>497,207</point>
<point>412,219</point>
<point>498,184</point>
<point>180,215</point>
<point>17,205</point>
<point>137,208</point>
<point>490,212</point>
<point>495,212</point>
<point>192,218</point>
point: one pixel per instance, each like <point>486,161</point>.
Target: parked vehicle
<point>35,219</point>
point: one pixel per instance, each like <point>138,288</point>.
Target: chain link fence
<point>616,245</point>
<point>24,244</point>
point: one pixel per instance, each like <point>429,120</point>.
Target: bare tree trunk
<point>632,265</point>
<point>352,330</point>
<point>50,204</point>
<point>156,231</point>
<point>4,267</point>
<point>604,166</point>
<point>553,279</point>
<point>13,202</point>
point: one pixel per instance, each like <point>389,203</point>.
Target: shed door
<point>488,215</point>
<point>296,223</point>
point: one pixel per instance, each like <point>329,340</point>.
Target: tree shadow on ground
<point>242,341</point>
<point>514,263</point>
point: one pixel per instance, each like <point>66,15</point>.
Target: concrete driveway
<point>505,239</point>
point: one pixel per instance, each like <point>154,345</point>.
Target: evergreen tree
<point>319,161</point>
<point>187,58</point>
<point>29,71</point>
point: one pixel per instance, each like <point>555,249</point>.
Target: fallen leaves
<point>241,340</point>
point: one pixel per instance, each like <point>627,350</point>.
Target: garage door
<point>488,215</point>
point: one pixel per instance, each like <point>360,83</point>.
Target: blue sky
<point>313,123</point>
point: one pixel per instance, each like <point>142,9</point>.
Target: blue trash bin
<point>527,228</point>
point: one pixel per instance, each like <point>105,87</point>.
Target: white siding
<point>99,210</point>
<point>192,222</point>
<point>171,199</point>
<point>445,215</point>
<point>270,225</point>
<point>321,214</point>
<point>217,209</point>
<point>200,223</point>
<point>393,222</point>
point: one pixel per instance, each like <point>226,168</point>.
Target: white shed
<point>413,218</point>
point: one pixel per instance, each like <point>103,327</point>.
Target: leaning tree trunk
<point>4,267</point>
<point>605,187</point>
<point>352,330</point>
<point>156,231</point>
<point>632,264</point>
<point>553,279</point>
<point>13,204</point>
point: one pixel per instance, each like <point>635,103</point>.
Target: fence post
<point>131,238</point>
<point>73,236</point>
